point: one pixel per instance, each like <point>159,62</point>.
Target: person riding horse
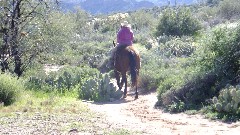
<point>125,58</point>
<point>125,37</point>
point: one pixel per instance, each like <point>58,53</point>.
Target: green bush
<point>88,82</point>
<point>192,93</point>
<point>66,79</point>
<point>212,2</point>
<point>177,23</point>
<point>10,88</point>
<point>228,100</point>
<point>226,105</point>
<point>220,52</point>
<point>99,88</point>
<point>151,73</point>
<point>229,9</point>
<point>216,61</point>
<point>178,47</point>
<point>147,80</point>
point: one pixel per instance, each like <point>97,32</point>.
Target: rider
<point>125,34</point>
<point>125,37</point>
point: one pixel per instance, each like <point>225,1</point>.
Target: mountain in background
<point>110,6</point>
<point>171,2</point>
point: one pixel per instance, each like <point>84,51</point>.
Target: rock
<point>73,130</point>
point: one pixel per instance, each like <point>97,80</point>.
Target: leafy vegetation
<point>228,100</point>
<point>178,22</point>
<point>10,88</point>
<point>229,9</point>
<point>217,62</point>
<point>188,54</point>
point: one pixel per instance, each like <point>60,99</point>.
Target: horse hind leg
<point>124,80</point>
<point>136,96</point>
<point>136,83</point>
<point>117,75</point>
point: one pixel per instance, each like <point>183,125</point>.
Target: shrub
<point>99,88</point>
<point>147,81</point>
<point>193,92</point>
<point>178,47</point>
<point>10,88</point>
<point>228,100</point>
<point>217,62</point>
<point>229,9</point>
<point>220,52</point>
<point>212,2</point>
<point>177,23</point>
<point>64,80</point>
<point>226,106</point>
<point>88,82</point>
<point>151,73</point>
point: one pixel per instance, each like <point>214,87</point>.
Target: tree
<point>15,16</point>
<point>229,9</point>
<point>177,22</point>
<point>213,2</point>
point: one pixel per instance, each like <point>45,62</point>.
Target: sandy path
<point>139,115</point>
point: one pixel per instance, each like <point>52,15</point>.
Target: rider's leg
<point>111,59</point>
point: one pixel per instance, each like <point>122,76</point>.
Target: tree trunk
<point>14,40</point>
<point>5,46</point>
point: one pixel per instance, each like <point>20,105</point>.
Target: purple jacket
<point>125,36</point>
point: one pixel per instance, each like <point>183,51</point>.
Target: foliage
<point>148,80</point>
<point>185,68</point>
<point>229,9</point>
<point>220,52</point>
<point>209,16</point>
<point>99,89</point>
<point>89,83</point>
<point>228,100</point>
<point>121,132</point>
<point>191,93</point>
<point>10,88</point>
<point>142,19</point>
<point>177,23</point>
<point>225,106</point>
<point>217,62</point>
<point>16,18</point>
<point>213,2</point>
<point>177,46</point>
<point>66,79</point>
<point>177,107</point>
<point>151,72</point>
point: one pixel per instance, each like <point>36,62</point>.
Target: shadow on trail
<point>130,98</point>
<point>119,101</point>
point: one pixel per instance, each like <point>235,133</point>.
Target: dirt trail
<point>139,115</point>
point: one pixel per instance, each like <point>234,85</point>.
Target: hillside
<point>110,6</point>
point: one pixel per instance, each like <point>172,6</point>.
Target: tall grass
<point>10,89</point>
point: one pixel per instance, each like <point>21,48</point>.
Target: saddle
<point>129,48</point>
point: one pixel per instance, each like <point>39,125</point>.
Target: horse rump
<point>133,67</point>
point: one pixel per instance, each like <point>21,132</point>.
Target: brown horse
<point>126,58</point>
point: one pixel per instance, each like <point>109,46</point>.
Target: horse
<point>126,58</point>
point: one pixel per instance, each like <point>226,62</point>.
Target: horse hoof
<point>136,96</point>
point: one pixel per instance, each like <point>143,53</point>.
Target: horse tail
<point>133,68</point>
